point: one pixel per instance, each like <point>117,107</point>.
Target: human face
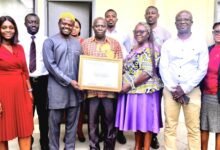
<point>184,23</point>
<point>100,27</point>
<point>141,34</point>
<point>7,30</point>
<point>66,26</point>
<point>32,24</point>
<point>216,34</point>
<point>76,29</point>
<point>111,19</point>
<point>151,16</point>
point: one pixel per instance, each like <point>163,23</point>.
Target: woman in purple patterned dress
<point>138,107</point>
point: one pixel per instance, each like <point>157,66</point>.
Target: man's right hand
<point>75,85</point>
<point>177,93</point>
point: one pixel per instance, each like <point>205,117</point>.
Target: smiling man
<point>160,33</point>
<point>38,75</point>
<point>61,57</point>
<point>101,46</point>
<point>183,64</point>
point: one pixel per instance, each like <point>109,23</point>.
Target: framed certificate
<point>102,74</point>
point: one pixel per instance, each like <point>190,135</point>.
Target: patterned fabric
<point>137,62</point>
<point>110,48</point>
<point>123,38</point>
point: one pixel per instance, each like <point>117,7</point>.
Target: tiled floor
<point>181,139</point>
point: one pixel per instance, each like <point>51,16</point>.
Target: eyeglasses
<point>139,32</point>
<point>216,32</point>
<point>183,20</point>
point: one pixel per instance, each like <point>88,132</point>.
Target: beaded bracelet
<point>30,90</point>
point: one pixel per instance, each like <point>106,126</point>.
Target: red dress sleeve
<point>21,55</point>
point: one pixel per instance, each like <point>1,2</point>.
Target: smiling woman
<point>17,9</point>
<point>15,91</point>
<point>140,88</point>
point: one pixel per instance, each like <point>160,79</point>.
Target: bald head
<point>99,19</point>
<point>99,28</point>
<point>184,12</point>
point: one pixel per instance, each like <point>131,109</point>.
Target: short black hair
<point>215,24</point>
<point>110,10</point>
<point>31,14</point>
<point>152,7</point>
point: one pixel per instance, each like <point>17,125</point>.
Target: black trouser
<point>94,105</point>
<point>39,86</point>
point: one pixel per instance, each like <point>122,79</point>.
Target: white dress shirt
<point>160,36</point>
<point>183,62</point>
<point>123,39</point>
<point>25,41</point>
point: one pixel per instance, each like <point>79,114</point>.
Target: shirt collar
<point>105,41</point>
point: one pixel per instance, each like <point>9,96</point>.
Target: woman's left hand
<point>125,88</point>
<point>31,96</point>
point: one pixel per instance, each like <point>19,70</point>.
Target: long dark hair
<point>14,39</point>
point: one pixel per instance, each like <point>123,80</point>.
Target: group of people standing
<point>155,65</point>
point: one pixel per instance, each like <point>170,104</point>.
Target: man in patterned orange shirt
<point>101,46</point>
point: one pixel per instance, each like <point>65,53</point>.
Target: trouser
<point>39,86</point>
<point>55,118</point>
<point>109,120</point>
<point>191,113</point>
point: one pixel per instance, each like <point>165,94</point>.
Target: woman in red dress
<point>16,116</point>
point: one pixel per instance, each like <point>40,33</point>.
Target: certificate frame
<point>100,74</point>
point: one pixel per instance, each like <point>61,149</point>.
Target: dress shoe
<point>44,147</point>
<point>81,137</point>
<point>121,138</point>
<point>154,142</point>
<point>44,144</point>
<point>101,137</point>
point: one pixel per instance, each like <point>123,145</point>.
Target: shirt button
<point>178,75</point>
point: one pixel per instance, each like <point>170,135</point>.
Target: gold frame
<point>99,63</point>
